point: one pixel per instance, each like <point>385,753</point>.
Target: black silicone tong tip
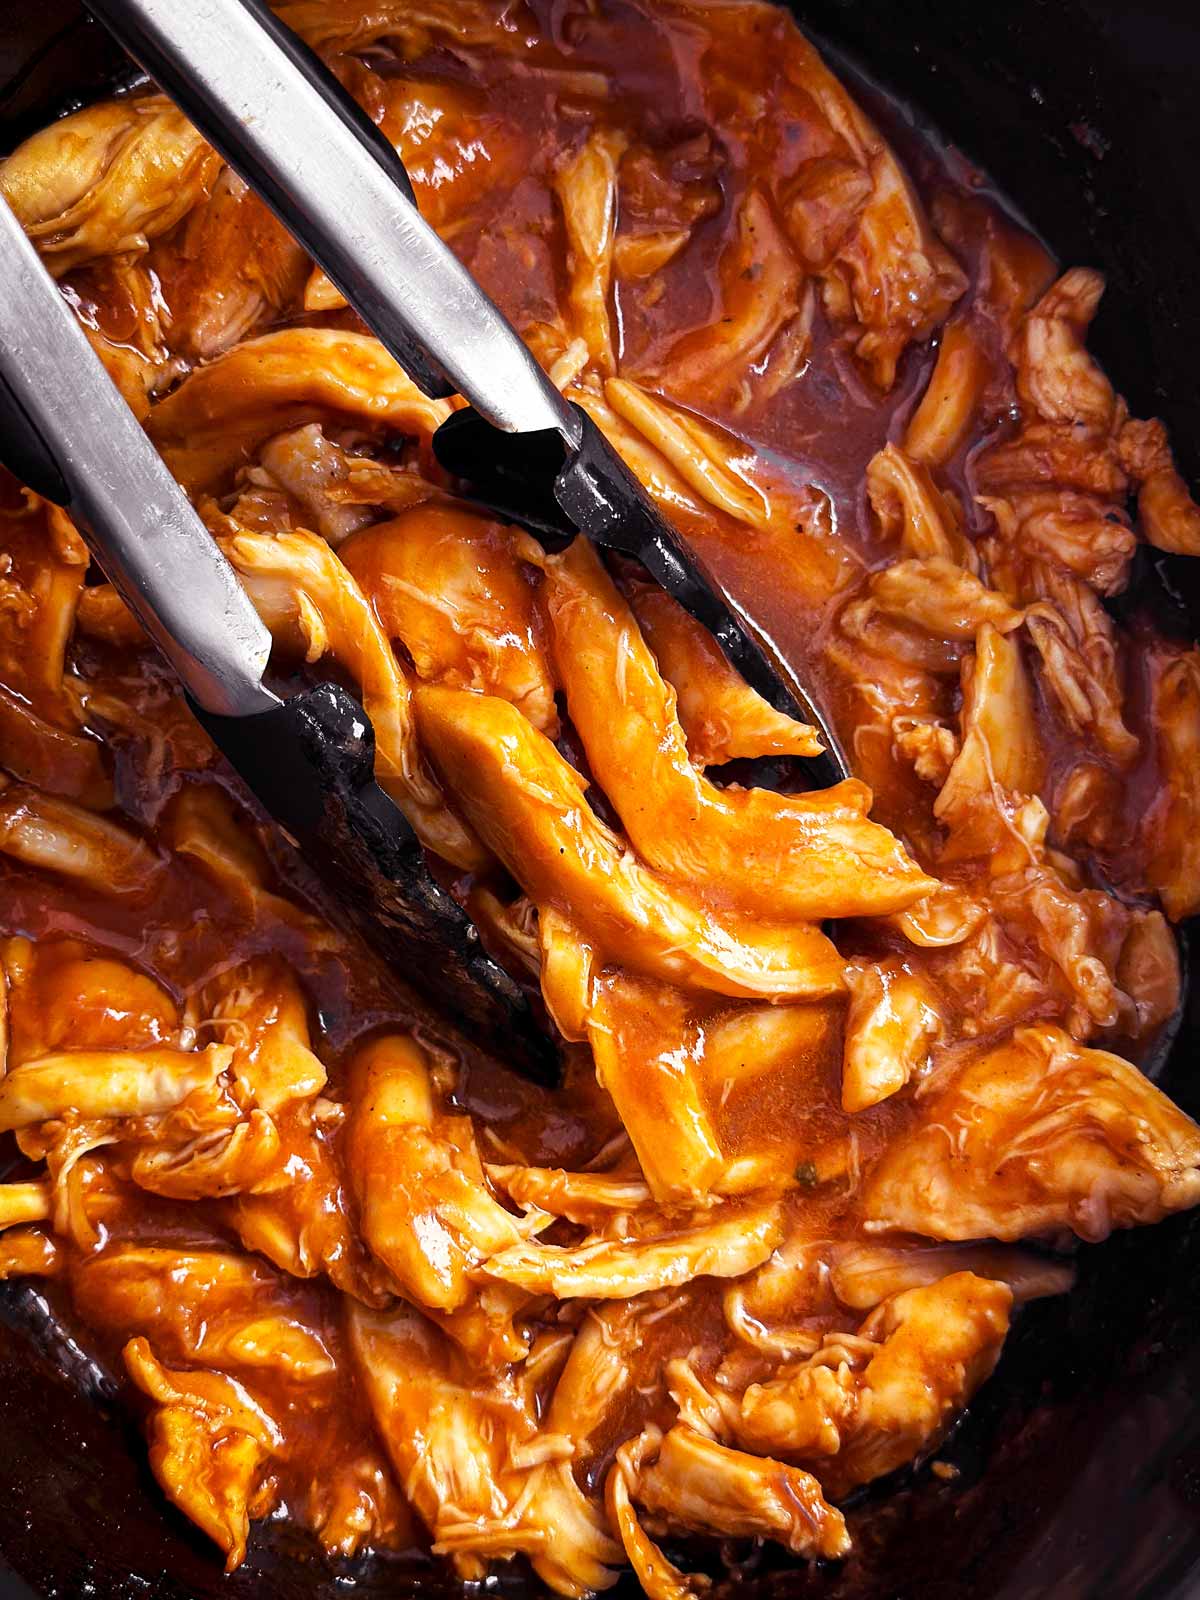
<point>311,762</point>
<point>535,480</point>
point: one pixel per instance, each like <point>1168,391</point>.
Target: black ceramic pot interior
<point>1079,1466</point>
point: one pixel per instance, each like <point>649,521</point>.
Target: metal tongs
<point>285,124</point>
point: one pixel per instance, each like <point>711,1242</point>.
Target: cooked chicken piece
<point>424,1206</point>
<point>29,1253</point>
<point>211,1442</point>
<point>307,1226</point>
<point>760,283</point>
<point>82,1187</point>
<point>863,1406</point>
<point>940,423</point>
<point>895,273</point>
<point>212,1143</point>
<point>712,463</point>
<point>244,1156</point>
<point>106,1083</point>
<point>948,916</point>
<point>123,317</point>
<point>1060,455</point>
<point>802,856</point>
<point>462,152</point>
<point>529,807</point>
<point>44,565</point>
<point>890,275</point>
<point>205,1423</point>
<point>24,1202</point>
<point>1015,270</point>
<point>1172,826</point>
<point>67,546</point>
<point>307,477</point>
<point>994,976</point>
<point>672,185</point>
<point>873,633</point>
<point>220,415</point>
<point>569,967</point>
<point>1055,374</point>
<point>1032,1136</point>
<point>781,1310</point>
<point>861,1275</point>
<point>203,825</point>
<point>63,996</point>
<point>722,717</point>
<point>891,1026</point>
<point>890,688</point>
<point>700,1485</point>
<point>348,25</point>
<point>822,207</point>
<point>491,1329</point>
<point>1082,533</point>
<point>661,480</point>
<point>182,1133</point>
<point>106,180</point>
<point>647,1051</point>
<point>921,611</point>
<point>447,582</point>
<point>358,1507</point>
<point>51,759</point>
<point>57,836</point>
<point>1076,640</point>
<point>298,585</point>
<point>643,255</point>
<point>914,512</point>
<point>283,1171</point>
<point>1169,516</point>
<point>38,666</point>
<point>738,1240</point>
<point>939,596</point>
<point>598,1373</point>
<point>929,745</point>
<point>451,1437</point>
<point>588,1198</point>
<point>1073,928</point>
<point>103,615</point>
<point>750,1041</point>
<point>258,1009</point>
<point>325,481</point>
<point>1000,759</point>
<point>230,267</point>
<point>512,927</point>
<point>665,1068</point>
<point>1148,974</point>
<point>586,186</point>
<point>203,1306</point>
<point>660,1579</point>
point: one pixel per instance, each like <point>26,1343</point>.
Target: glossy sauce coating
<point>764,1243</point>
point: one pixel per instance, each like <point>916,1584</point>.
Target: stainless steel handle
<point>140,525</point>
<point>271,109</point>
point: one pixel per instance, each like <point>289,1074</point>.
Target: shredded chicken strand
<point>837,1088</point>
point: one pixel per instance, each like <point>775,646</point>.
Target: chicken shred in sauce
<point>847,1073</point>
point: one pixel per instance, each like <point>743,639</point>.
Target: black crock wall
<point>1080,1464</point>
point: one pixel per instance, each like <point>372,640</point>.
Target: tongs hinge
<point>559,492</point>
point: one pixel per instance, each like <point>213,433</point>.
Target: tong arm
<point>284,122</point>
<point>66,431</point>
